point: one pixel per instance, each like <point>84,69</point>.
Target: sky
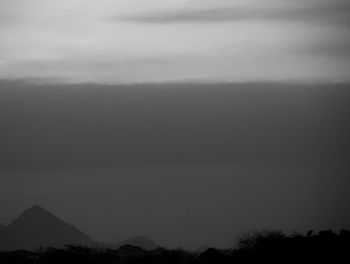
<point>186,165</point>
<point>113,41</point>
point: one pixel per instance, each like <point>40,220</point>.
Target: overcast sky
<point>157,40</point>
<point>186,165</point>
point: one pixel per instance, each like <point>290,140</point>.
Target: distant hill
<point>36,227</point>
<point>139,241</point>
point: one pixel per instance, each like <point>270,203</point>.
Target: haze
<point>186,165</point>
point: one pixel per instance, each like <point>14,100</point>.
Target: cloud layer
<point>154,40</point>
<point>224,11</point>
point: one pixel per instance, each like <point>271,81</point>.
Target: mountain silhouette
<point>139,241</point>
<point>36,227</point>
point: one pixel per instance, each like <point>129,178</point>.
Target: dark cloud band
<point>332,12</point>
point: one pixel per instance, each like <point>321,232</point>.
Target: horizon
<point>37,208</point>
<point>53,81</point>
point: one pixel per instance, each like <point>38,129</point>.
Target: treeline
<point>269,246</point>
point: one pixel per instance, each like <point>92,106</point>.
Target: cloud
<point>208,15</point>
<point>161,40</point>
<point>337,11</point>
<point>332,48</point>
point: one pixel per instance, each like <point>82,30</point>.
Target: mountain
<point>36,227</point>
<point>139,241</point>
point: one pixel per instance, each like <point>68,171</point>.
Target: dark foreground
<point>271,246</point>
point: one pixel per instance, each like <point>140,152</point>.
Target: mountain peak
<point>140,241</point>
<point>37,227</point>
<point>35,215</point>
<point>36,209</point>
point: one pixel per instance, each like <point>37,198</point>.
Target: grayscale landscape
<point>174,131</point>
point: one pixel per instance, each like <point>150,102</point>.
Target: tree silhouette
<point>256,247</point>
